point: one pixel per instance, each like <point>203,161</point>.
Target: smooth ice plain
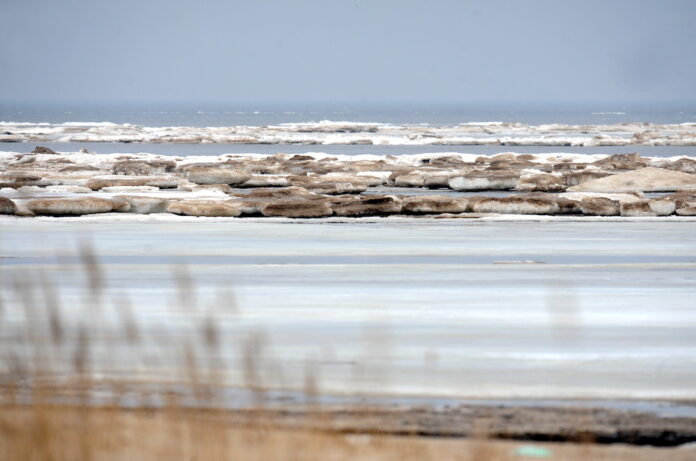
<point>422,307</point>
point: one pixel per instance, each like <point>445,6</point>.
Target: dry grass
<point>61,433</point>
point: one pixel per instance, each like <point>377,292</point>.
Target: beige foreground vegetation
<point>62,433</point>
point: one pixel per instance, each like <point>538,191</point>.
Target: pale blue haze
<point>367,52</point>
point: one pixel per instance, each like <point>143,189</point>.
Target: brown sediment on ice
<point>75,206</point>
<point>316,185</point>
<point>161,182</point>
<point>646,179</point>
<point>210,208</point>
<point>519,421</point>
<point>143,168</point>
<point>7,206</point>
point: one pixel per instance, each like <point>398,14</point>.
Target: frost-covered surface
<point>383,306</point>
<point>105,218</point>
<point>404,160</point>
<point>332,132</point>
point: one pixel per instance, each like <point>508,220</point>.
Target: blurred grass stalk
<point>56,403</point>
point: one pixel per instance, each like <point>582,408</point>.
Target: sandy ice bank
<point>320,186</point>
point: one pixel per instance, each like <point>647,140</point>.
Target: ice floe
<point>330,132</point>
<point>317,185</point>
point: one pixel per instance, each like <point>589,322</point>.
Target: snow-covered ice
<point>347,133</point>
<point>538,308</point>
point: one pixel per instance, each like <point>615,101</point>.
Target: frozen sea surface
<point>464,309</point>
<point>331,132</point>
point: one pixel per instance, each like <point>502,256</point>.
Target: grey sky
<point>362,51</point>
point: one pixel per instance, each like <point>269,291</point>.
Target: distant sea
<point>158,115</point>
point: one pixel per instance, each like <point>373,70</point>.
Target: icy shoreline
<point>317,185</point>
<point>415,220</point>
<point>354,133</point>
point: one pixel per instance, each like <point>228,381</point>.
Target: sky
<point>324,51</point>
